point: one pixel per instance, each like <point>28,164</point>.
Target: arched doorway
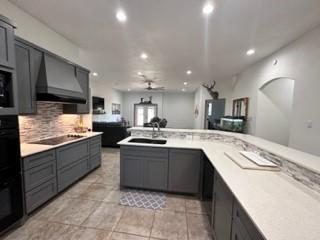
<point>274,108</point>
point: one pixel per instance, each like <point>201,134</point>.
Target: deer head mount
<point>210,87</point>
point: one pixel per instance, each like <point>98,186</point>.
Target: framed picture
<point>116,109</point>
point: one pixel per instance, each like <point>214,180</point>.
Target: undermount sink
<point>148,140</point>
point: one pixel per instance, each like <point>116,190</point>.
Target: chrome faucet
<point>154,134</point>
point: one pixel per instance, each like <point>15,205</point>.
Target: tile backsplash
<point>48,122</point>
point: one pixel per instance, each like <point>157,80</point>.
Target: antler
<point>211,86</point>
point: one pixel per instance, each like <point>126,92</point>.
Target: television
<point>98,105</point>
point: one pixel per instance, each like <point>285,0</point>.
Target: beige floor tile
<point>113,197</point>
<point>77,190</point>
<point>175,203</point>
<point>136,221</point>
<point>82,233</point>
<point>198,227</point>
<point>105,217</point>
<point>75,212</point>
<point>170,225</point>
<point>91,178</point>
<point>96,192</point>
<point>195,206</point>
<point>124,236</point>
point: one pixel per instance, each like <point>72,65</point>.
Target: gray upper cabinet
<point>6,44</point>
<point>28,61</point>
<point>83,79</point>
<point>184,171</point>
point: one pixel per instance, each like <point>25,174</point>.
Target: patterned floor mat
<point>143,199</point>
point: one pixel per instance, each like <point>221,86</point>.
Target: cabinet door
<point>155,173</point>
<point>6,45</point>
<point>239,232</point>
<point>184,171</point>
<point>131,174</point>
<point>223,204</point>
<point>28,62</point>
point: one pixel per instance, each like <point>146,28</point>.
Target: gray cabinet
<point>184,171</point>
<point>6,44</point>
<point>144,167</point>
<point>40,179</point>
<point>28,61</point>
<point>83,79</point>
<point>72,163</point>
<point>238,231</point>
<point>223,204</point>
<point>95,152</point>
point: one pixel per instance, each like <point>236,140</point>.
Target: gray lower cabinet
<point>95,152</point>
<point>72,163</point>
<point>184,171</point>
<point>40,181</point>
<point>222,210</point>
<point>144,167</point>
<point>28,61</point>
<point>47,173</point>
<point>239,232</point>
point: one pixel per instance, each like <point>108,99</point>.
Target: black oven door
<point>10,150</point>
<point>11,208</point>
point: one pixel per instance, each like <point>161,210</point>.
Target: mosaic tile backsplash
<point>305,176</point>
<point>48,122</point>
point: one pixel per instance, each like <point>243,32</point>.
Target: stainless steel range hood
<point>57,82</point>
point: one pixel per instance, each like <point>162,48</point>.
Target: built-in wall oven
<point>11,203</point>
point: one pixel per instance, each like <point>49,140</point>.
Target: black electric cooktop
<point>58,140</point>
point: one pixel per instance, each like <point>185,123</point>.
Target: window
<point>143,113</point>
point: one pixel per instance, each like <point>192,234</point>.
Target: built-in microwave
<point>6,89</point>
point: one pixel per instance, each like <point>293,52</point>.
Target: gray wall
<point>177,108</point>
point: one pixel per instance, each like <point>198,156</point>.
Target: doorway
<point>143,113</point>
<point>214,111</point>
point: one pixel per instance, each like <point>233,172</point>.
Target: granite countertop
<point>301,158</point>
<point>280,207</point>
<point>28,149</point>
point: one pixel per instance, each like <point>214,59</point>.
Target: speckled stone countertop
<point>28,149</point>
<point>281,208</point>
<point>306,160</point>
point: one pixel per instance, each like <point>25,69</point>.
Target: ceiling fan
<point>149,82</point>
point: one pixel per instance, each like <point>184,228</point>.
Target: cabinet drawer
<point>95,161</point>
<point>95,147</point>
<point>40,195</point>
<point>39,175</point>
<point>240,215</point>
<point>145,151</point>
<point>38,159</point>
<point>72,153</point>
<point>72,173</point>
<point>95,140</point>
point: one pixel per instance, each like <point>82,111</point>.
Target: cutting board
<point>245,163</point>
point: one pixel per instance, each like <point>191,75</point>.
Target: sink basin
<point>148,140</point>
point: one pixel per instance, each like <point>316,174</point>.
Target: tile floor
<point>90,210</point>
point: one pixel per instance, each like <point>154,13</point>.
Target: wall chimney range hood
<point>57,82</point>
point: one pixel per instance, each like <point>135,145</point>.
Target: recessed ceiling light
<point>251,52</point>
<point>95,74</point>
<point>140,73</point>
<point>185,83</point>
<point>121,16</point>
<point>129,89</point>
<point>183,90</point>
<point>207,9</point>
<point>144,56</point>
<point>189,72</point>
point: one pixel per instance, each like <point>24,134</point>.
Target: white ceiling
<point>175,35</point>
